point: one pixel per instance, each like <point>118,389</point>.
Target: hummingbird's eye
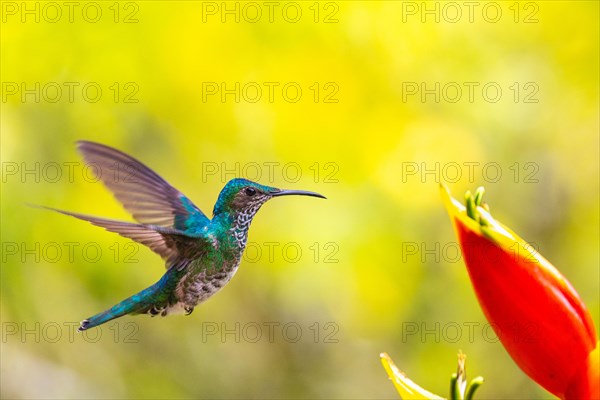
<point>250,191</point>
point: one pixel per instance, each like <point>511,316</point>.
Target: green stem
<point>479,195</point>
<point>473,386</point>
<point>454,389</point>
<point>470,205</point>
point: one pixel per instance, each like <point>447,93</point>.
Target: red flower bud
<point>535,312</point>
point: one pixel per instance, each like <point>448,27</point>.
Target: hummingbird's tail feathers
<point>139,303</point>
<point>147,196</point>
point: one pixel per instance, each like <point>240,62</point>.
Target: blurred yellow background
<point>371,103</point>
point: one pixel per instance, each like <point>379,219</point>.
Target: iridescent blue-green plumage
<point>201,254</point>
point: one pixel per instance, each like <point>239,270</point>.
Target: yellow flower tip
<point>407,389</point>
<point>454,208</point>
<point>477,218</point>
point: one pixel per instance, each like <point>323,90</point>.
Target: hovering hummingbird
<point>201,254</point>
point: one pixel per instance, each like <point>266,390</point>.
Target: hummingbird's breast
<point>207,275</point>
<point>196,288</point>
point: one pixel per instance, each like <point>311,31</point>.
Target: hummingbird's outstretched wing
<point>171,244</point>
<point>147,196</point>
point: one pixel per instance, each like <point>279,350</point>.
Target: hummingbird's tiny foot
<point>188,310</point>
<point>154,312</point>
<point>84,325</point>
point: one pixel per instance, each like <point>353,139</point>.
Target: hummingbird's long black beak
<point>296,192</point>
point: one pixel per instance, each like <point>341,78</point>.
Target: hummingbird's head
<point>243,196</point>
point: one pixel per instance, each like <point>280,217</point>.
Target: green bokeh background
<point>374,290</point>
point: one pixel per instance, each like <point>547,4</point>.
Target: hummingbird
<point>201,254</point>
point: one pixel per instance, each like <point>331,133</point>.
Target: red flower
<point>534,310</point>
